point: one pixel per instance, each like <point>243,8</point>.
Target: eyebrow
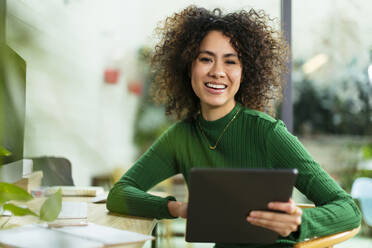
<point>214,55</point>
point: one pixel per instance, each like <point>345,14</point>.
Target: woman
<point>218,74</point>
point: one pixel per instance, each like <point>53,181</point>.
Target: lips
<point>215,88</point>
<point>214,85</point>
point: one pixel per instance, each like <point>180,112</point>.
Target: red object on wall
<point>135,87</point>
<point>111,75</point>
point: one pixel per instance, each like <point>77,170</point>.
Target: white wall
<point>70,112</point>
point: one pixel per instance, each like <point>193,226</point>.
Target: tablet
<point>221,199</point>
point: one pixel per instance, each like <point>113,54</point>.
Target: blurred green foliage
<point>367,151</point>
<point>349,175</point>
<point>4,152</point>
<point>353,171</point>
<point>12,103</point>
<point>150,121</point>
<point>341,105</point>
<point>325,111</point>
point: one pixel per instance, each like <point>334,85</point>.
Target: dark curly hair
<point>261,49</point>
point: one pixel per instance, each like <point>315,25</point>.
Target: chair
<point>326,241</point>
<point>56,170</point>
<point>362,191</point>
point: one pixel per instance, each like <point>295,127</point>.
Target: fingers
<point>284,229</point>
<point>276,217</point>
<point>288,207</point>
<point>183,210</point>
<point>282,223</point>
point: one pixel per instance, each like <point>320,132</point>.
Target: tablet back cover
<point>221,199</point>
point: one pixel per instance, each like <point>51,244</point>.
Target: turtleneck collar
<point>219,123</point>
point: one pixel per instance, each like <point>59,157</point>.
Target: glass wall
<point>332,83</point>
<point>332,51</point>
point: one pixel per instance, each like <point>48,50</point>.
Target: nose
<point>217,70</point>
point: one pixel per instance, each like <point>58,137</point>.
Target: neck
<point>211,113</point>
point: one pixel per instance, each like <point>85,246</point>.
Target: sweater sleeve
<point>335,210</point>
<point>128,196</point>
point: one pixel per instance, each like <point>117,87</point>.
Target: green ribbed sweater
<point>253,140</point>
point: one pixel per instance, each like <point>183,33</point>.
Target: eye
<point>205,59</point>
<point>232,62</point>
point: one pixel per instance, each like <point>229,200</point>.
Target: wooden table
<point>97,213</point>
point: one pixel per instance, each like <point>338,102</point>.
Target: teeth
<point>216,86</point>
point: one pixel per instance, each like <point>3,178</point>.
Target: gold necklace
<point>222,133</point>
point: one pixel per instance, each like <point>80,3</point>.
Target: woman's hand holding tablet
<point>283,223</point>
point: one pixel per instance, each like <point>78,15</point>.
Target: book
<point>76,190</point>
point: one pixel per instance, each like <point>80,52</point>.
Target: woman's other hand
<point>282,223</point>
<point>177,209</point>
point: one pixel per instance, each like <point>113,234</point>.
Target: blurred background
<point>81,88</point>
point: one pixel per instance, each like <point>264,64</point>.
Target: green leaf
<point>10,192</point>
<point>367,151</point>
<point>4,152</point>
<point>51,207</point>
<point>18,211</point>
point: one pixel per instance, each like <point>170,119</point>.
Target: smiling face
<point>216,74</point>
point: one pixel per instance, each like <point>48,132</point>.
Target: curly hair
<point>261,49</point>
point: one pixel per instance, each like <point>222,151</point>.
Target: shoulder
<point>263,121</point>
<point>258,115</point>
<point>179,128</point>
<point>168,138</point>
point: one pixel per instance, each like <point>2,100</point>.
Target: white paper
<point>73,210</point>
<point>100,198</point>
<point>90,236</point>
<point>105,234</point>
<point>31,236</point>
<point>6,213</point>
